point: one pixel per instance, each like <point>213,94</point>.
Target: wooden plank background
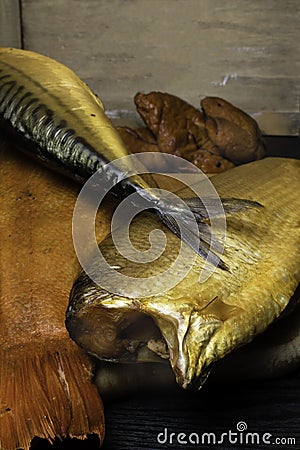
<point>245,51</point>
<point>10,24</point>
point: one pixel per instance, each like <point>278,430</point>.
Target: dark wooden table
<point>268,409</point>
<point>264,407</point>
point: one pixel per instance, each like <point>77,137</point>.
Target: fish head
<point>180,323</point>
<point>193,324</point>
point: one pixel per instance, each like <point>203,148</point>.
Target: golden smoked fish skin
<point>202,322</point>
<point>50,106</point>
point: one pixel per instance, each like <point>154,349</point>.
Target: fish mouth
<point>117,335</point>
<point>120,339</point>
<point>128,335</point>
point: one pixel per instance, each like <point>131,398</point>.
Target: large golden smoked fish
<point>54,117</point>
<point>196,324</point>
<point>46,387</point>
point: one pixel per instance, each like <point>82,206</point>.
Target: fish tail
<point>201,240</point>
<point>47,395</point>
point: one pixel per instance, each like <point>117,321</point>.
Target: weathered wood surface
<point>266,407</point>
<point>245,51</point>
<point>10,24</point>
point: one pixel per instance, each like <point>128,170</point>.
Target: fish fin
<point>200,207</point>
<point>47,394</point>
<point>235,205</point>
<point>204,243</point>
<point>199,243</point>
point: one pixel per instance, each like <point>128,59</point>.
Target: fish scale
<point>203,322</point>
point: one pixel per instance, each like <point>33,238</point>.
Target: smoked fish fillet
<point>46,387</point>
